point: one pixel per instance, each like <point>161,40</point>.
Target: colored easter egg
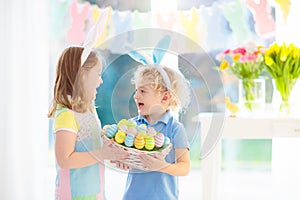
<point>142,134</point>
<point>167,141</point>
<point>123,128</point>
<point>142,127</point>
<point>129,140</point>
<point>149,142</point>
<point>139,142</point>
<point>132,131</point>
<point>122,122</point>
<point>159,140</point>
<point>120,137</point>
<point>151,131</point>
<point>111,131</point>
<point>131,124</point>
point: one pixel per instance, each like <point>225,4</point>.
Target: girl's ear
<point>83,75</point>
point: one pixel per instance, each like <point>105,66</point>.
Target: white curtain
<point>24,89</point>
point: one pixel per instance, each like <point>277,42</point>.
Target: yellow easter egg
<point>131,124</point>
<point>120,137</point>
<point>142,134</point>
<point>139,142</point>
<point>122,122</point>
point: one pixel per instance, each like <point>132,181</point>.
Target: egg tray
<point>134,160</point>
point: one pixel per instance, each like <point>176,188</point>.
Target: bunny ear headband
<point>93,35</point>
<point>158,54</point>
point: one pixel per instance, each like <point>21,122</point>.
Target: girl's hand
<point>102,132</point>
<point>121,165</point>
<point>108,152</point>
<point>153,162</point>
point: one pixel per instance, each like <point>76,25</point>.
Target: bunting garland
<point>204,25</point>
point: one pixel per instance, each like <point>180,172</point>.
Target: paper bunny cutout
<point>284,7</point>
<point>95,15</point>
<point>166,21</point>
<point>235,17</point>
<point>190,24</point>
<point>93,35</point>
<point>158,54</point>
<point>264,22</point>
<point>75,33</point>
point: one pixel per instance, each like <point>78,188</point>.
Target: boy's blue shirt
<point>143,185</point>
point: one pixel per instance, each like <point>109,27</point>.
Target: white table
<point>259,127</point>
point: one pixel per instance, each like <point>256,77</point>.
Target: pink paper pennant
<point>264,22</point>
<point>75,33</point>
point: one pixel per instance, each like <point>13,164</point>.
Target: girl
<point>158,91</point>
<point>78,147</point>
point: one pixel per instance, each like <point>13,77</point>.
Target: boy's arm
<point>182,166</point>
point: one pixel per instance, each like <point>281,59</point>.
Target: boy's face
<point>148,101</point>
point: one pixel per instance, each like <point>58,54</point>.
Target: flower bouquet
<point>283,64</point>
<point>247,64</point>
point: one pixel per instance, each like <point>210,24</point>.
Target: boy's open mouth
<point>140,105</point>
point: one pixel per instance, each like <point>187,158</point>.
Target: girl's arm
<point>180,168</point>
<point>67,158</point>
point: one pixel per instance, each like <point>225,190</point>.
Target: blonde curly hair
<point>180,91</point>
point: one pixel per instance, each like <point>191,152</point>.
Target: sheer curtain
<point>24,89</point>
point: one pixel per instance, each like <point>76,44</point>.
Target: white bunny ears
<point>93,35</point>
<point>158,54</point>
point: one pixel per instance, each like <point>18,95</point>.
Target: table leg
<point>211,166</point>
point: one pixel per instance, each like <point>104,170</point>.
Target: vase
<point>283,89</point>
<point>252,94</point>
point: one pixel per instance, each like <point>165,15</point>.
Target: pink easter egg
<point>151,131</point>
<point>159,140</point>
<point>132,131</point>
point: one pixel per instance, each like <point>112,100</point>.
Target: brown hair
<point>68,87</point>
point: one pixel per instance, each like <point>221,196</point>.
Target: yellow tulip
<point>283,54</point>
<point>276,48</point>
<point>294,53</point>
<point>269,61</point>
<point>224,65</point>
<point>269,51</point>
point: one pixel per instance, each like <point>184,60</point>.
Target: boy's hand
<point>153,162</point>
